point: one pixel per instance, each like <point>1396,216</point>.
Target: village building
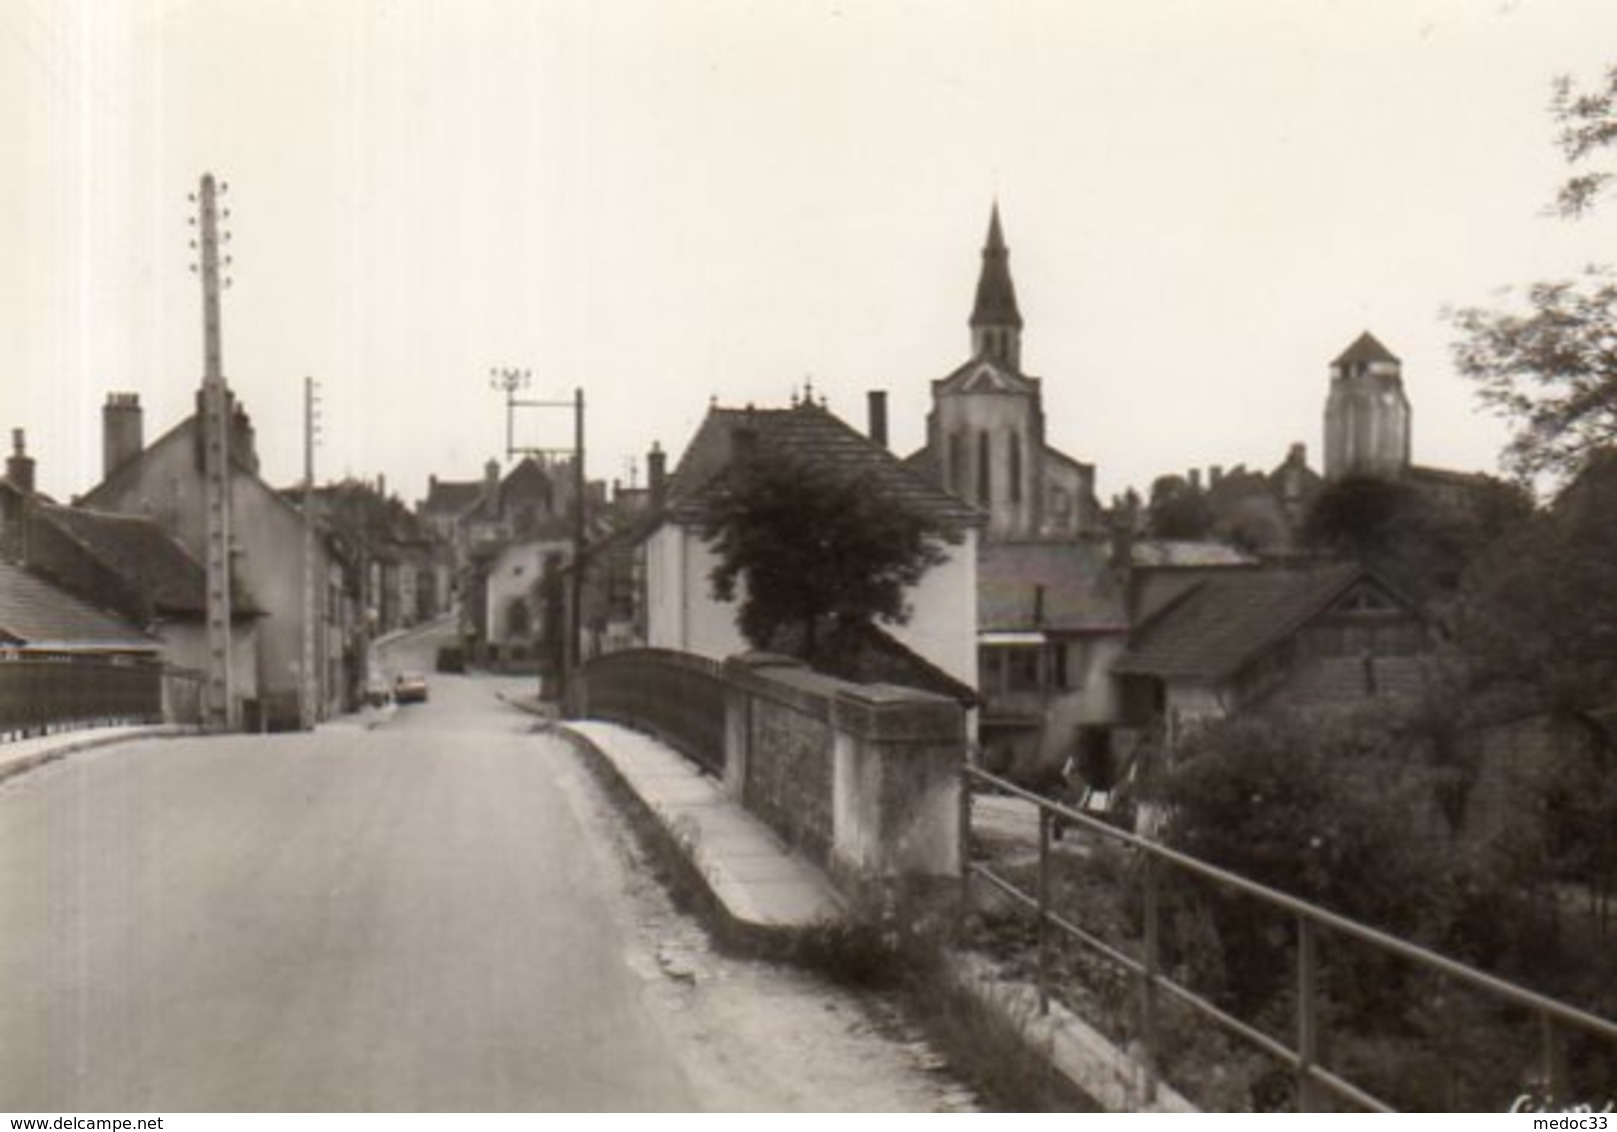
<point>985,433</point>
<point>164,482</point>
<point>935,649</point>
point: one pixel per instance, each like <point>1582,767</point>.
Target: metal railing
<point>1555,1020</point>
<point>39,694</point>
<point>675,696</point>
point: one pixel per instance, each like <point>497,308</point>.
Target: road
<point>436,912</point>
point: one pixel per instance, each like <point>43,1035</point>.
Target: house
<point>676,560</point>
<point>1301,634</point>
<point>164,482</point>
<point>514,614</point>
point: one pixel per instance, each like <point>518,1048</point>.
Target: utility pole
<point>219,703</point>
<point>510,380</point>
<point>311,682</point>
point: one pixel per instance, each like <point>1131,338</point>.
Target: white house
<point>682,613</point>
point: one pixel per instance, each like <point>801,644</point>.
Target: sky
<point>667,201</point>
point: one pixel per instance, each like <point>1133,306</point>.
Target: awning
<point>1011,637</point>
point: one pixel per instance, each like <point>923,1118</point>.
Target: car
<point>377,692</point>
<point>409,688</point>
<point>451,658</point>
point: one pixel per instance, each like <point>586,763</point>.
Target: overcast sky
<point>669,200</point>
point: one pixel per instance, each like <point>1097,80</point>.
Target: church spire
<point>996,324</point>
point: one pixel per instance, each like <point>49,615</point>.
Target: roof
<point>1229,618</point>
<point>811,433</point>
<point>996,294</point>
<point>1366,349</point>
<point>875,656</point>
<point>1051,586</point>
<point>451,497</point>
<point>1187,554</point>
<point>137,549</point>
<point>35,613</point>
<point>985,373</point>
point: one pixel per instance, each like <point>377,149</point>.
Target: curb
<point>87,742</point>
<point>734,930</point>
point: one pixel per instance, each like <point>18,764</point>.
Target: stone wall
<point>862,778</point>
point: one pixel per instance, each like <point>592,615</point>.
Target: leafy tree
<point>816,553</point>
<point>1178,509</point>
<point>1393,529</point>
<point>1551,369</point>
<point>1540,606</point>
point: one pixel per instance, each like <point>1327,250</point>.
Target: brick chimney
<point>20,465</point>
<point>878,416</point>
<point>656,475</point>
<point>243,440</point>
<point>122,431</point>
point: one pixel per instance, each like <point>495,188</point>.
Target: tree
<point>1552,369</point>
<point>815,550</point>
<point>1396,531</point>
<point>1539,609</point>
<point>1178,509</point>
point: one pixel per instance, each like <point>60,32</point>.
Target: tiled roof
<point>451,497</point>
<point>141,552</point>
<point>813,434</point>
<point>1366,348</point>
<point>33,612</point>
<point>1080,592</point>
<point>1229,619</point>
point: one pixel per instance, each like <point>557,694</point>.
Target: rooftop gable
<point>36,614</point>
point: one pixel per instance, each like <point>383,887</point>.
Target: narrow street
<point>438,912</point>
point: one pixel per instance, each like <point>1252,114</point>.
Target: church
<point>985,433</point>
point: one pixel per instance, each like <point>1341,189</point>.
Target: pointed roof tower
<point>996,323</point>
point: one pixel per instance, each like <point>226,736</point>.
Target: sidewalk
<point>25,754</point>
<point>761,888</point>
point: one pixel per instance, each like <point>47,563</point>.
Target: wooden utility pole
<point>220,713</point>
<point>311,683</point>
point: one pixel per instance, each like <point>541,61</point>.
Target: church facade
<point>986,430</point>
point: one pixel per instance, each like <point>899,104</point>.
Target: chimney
<point>491,474</point>
<point>243,440</point>
<point>656,475</point>
<point>381,484</point>
<point>1194,479</point>
<point>1215,472</point>
<point>20,465</point>
<point>121,431</point>
<point>878,416</point>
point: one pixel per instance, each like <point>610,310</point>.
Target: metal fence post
<point>964,835</point>
<point>1554,1064</point>
<point>1044,910</point>
<point>1151,964</point>
<point>1307,1016</point>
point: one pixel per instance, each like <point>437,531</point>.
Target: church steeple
<point>996,324</point>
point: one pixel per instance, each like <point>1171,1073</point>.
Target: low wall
<point>862,778</point>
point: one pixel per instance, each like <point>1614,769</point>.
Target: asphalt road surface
<point>436,910</point>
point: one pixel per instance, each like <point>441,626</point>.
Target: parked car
<point>409,688</point>
<point>377,692</point>
<point>451,658</point>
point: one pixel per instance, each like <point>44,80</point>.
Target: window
<point>984,469</point>
<point>1058,666</point>
<point>1014,459</point>
<point>955,472</point>
<point>1022,670</point>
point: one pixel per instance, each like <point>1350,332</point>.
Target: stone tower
<point>1367,414</point>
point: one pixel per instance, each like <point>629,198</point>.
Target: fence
<point>675,696</point>
<point>1554,1021</point>
<point>39,694</point>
